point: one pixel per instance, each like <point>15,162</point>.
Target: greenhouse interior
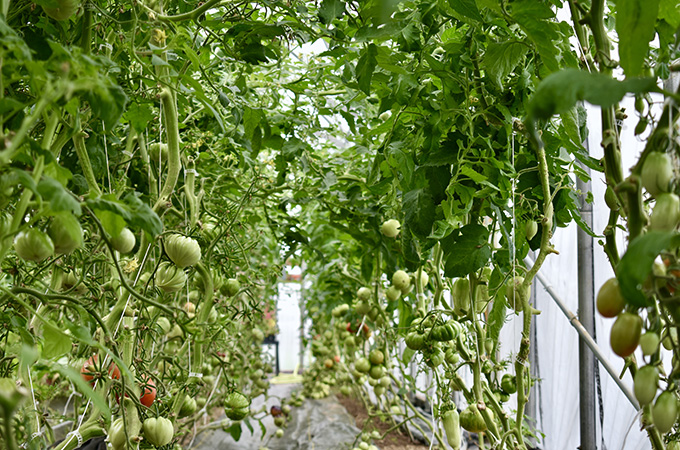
<point>339,224</point>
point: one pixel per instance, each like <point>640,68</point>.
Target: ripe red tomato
<point>90,368</point>
<point>337,358</point>
<point>148,391</point>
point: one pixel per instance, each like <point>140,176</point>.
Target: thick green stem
<point>10,440</point>
<point>203,312</point>
<point>86,37</point>
<point>85,164</point>
<point>521,361</point>
<point>172,131</point>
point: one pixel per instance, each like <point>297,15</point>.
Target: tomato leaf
<point>501,59</point>
<point>636,264</point>
<point>466,8</point>
<point>365,67</point>
<point>55,342</point>
<point>235,431</point>
<point>114,214</point>
<point>331,9</point>
<point>466,250</point>
<point>635,20</point>
<point>537,20</point>
<point>60,199</point>
<point>74,377</point>
<point>419,211</point>
<point>560,91</point>
<point>497,317</point>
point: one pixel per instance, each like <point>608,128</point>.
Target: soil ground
<point>395,440</point>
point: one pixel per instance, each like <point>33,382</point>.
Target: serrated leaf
<point>139,116</point>
<point>59,197</point>
<point>466,250</point>
<point>331,9</point>
<point>560,91</point>
<point>501,59</point>
<point>365,67</point>
<point>636,264</point>
<point>635,20</point>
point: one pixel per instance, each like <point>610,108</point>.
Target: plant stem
<point>172,130</point>
<point>84,159</point>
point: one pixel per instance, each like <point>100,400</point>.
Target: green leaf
<point>466,250</point>
<point>76,378</point>
<point>537,20</point>
<point>365,67</point>
<point>107,102</point>
<point>59,197</point>
<point>669,11</point>
<point>139,116</point>
<point>497,316</point>
<point>419,211</point>
<point>235,431</point>
<point>635,20</point>
<point>55,342</point>
<point>114,214</point>
<point>466,8</point>
<point>407,356</point>
<point>636,264</point>
<point>560,91</point>
<point>501,59</point>
<point>331,9</point>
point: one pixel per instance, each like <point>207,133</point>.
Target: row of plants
<point>160,160</point>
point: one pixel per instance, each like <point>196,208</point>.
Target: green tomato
<point>66,233</point>
<point>364,293</point>
<point>231,287</point>
<point>117,434</point>
<point>33,245</point>
<point>610,301</point>
<point>645,384</point>
<point>170,278</point>
<point>649,343</point>
<point>530,229</point>
<point>64,9</point>
<point>183,251</point>
<point>401,280</point>
<point>188,407</point>
<point>657,172</point>
<point>666,213</point>
<point>515,295</point>
<point>390,228</point>
<point>124,242</point>
<point>376,357</point>
<point>158,431</point>
<point>665,411</point>
<point>625,334</point>
<point>393,293</point>
<point>472,420</point>
<point>508,384</point>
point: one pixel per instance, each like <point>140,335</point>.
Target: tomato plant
<point>161,162</point>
